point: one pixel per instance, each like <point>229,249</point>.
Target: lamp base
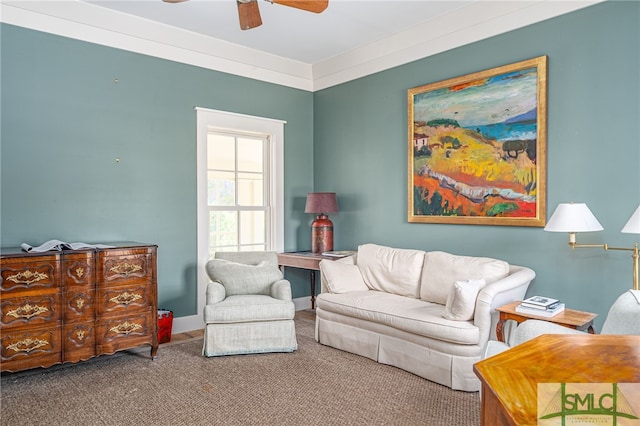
<point>321,234</point>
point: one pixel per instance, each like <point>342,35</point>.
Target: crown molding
<point>88,22</point>
<point>474,22</point>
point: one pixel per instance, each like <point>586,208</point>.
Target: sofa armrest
<point>215,293</point>
<point>281,290</point>
<point>512,287</point>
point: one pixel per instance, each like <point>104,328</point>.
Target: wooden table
<point>304,260</point>
<point>509,379</point>
<point>571,318</point>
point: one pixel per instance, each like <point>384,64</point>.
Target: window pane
<point>252,227</point>
<point>250,189</point>
<point>221,152</point>
<point>222,188</point>
<point>223,230</point>
<point>250,155</point>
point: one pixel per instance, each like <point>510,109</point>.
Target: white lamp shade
<point>573,217</point>
<point>633,225</point>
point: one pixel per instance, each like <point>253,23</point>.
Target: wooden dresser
<point>69,306</point>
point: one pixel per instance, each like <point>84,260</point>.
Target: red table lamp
<point>321,228</point>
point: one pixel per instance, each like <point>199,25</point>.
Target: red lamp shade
<point>321,228</point>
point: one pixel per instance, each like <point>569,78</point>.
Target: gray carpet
<point>316,385</point>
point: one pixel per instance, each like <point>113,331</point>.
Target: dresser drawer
<point>37,347</point>
<point>79,304</point>
<point>122,332</point>
<point>29,311</point>
<point>79,341</point>
<point>123,299</point>
<point>78,269</point>
<point>124,266</point>
<point>36,274</point>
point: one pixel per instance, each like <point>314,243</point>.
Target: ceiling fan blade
<point>173,1</point>
<point>249,14</point>
<point>315,6</point>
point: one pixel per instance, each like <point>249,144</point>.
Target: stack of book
<point>541,306</point>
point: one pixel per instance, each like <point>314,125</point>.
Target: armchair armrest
<point>281,290</point>
<point>530,329</point>
<point>215,293</point>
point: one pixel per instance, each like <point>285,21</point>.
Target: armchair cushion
<point>248,308</point>
<point>239,278</point>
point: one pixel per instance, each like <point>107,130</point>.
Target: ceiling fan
<point>249,13</point>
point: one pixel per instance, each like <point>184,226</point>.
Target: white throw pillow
<point>441,270</point>
<point>392,270</point>
<point>340,277</point>
<point>461,301</point>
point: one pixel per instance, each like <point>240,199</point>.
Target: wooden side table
<point>571,318</point>
<point>304,260</point>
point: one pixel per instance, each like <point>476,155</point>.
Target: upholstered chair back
<point>244,273</point>
<point>624,315</point>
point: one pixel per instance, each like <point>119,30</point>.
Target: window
<point>237,191</point>
<point>240,184</point>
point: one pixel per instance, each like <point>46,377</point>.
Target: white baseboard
<point>195,322</point>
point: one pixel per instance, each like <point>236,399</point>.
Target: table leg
<point>313,288</point>
<point>500,330</point>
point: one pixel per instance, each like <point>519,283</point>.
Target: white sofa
<point>430,313</point>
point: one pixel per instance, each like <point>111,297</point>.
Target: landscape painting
<point>477,147</point>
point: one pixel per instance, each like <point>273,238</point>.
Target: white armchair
<point>248,305</point>
<point>623,318</point>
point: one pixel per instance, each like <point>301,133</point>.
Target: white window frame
<point>216,120</point>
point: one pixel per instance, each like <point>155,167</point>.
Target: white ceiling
<point>350,39</point>
<point>292,33</point>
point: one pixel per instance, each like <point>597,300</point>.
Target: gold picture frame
<point>477,147</point>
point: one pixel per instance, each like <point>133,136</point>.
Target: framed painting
<point>477,147</point>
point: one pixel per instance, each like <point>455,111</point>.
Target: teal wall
<point>360,151</point>
<point>65,121</point>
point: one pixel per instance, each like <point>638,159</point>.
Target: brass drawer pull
<point>79,272</point>
<point>27,277</point>
<point>125,328</point>
<point>27,345</point>
<point>27,311</point>
<point>125,268</point>
<point>125,298</point>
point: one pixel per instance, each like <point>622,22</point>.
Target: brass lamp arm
<point>573,244</point>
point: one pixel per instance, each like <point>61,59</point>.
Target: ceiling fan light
<point>249,14</point>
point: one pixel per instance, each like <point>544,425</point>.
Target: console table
<point>570,318</point>
<point>509,379</point>
<point>71,305</point>
<point>304,260</point>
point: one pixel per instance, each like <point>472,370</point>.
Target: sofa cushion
<point>392,270</point>
<point>341,277</point>
<point>441,270</point>
<point>411,315</point>
<point>461,301</point>
<point>239,278</point>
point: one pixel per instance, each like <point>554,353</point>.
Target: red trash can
<point>165,324</point>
